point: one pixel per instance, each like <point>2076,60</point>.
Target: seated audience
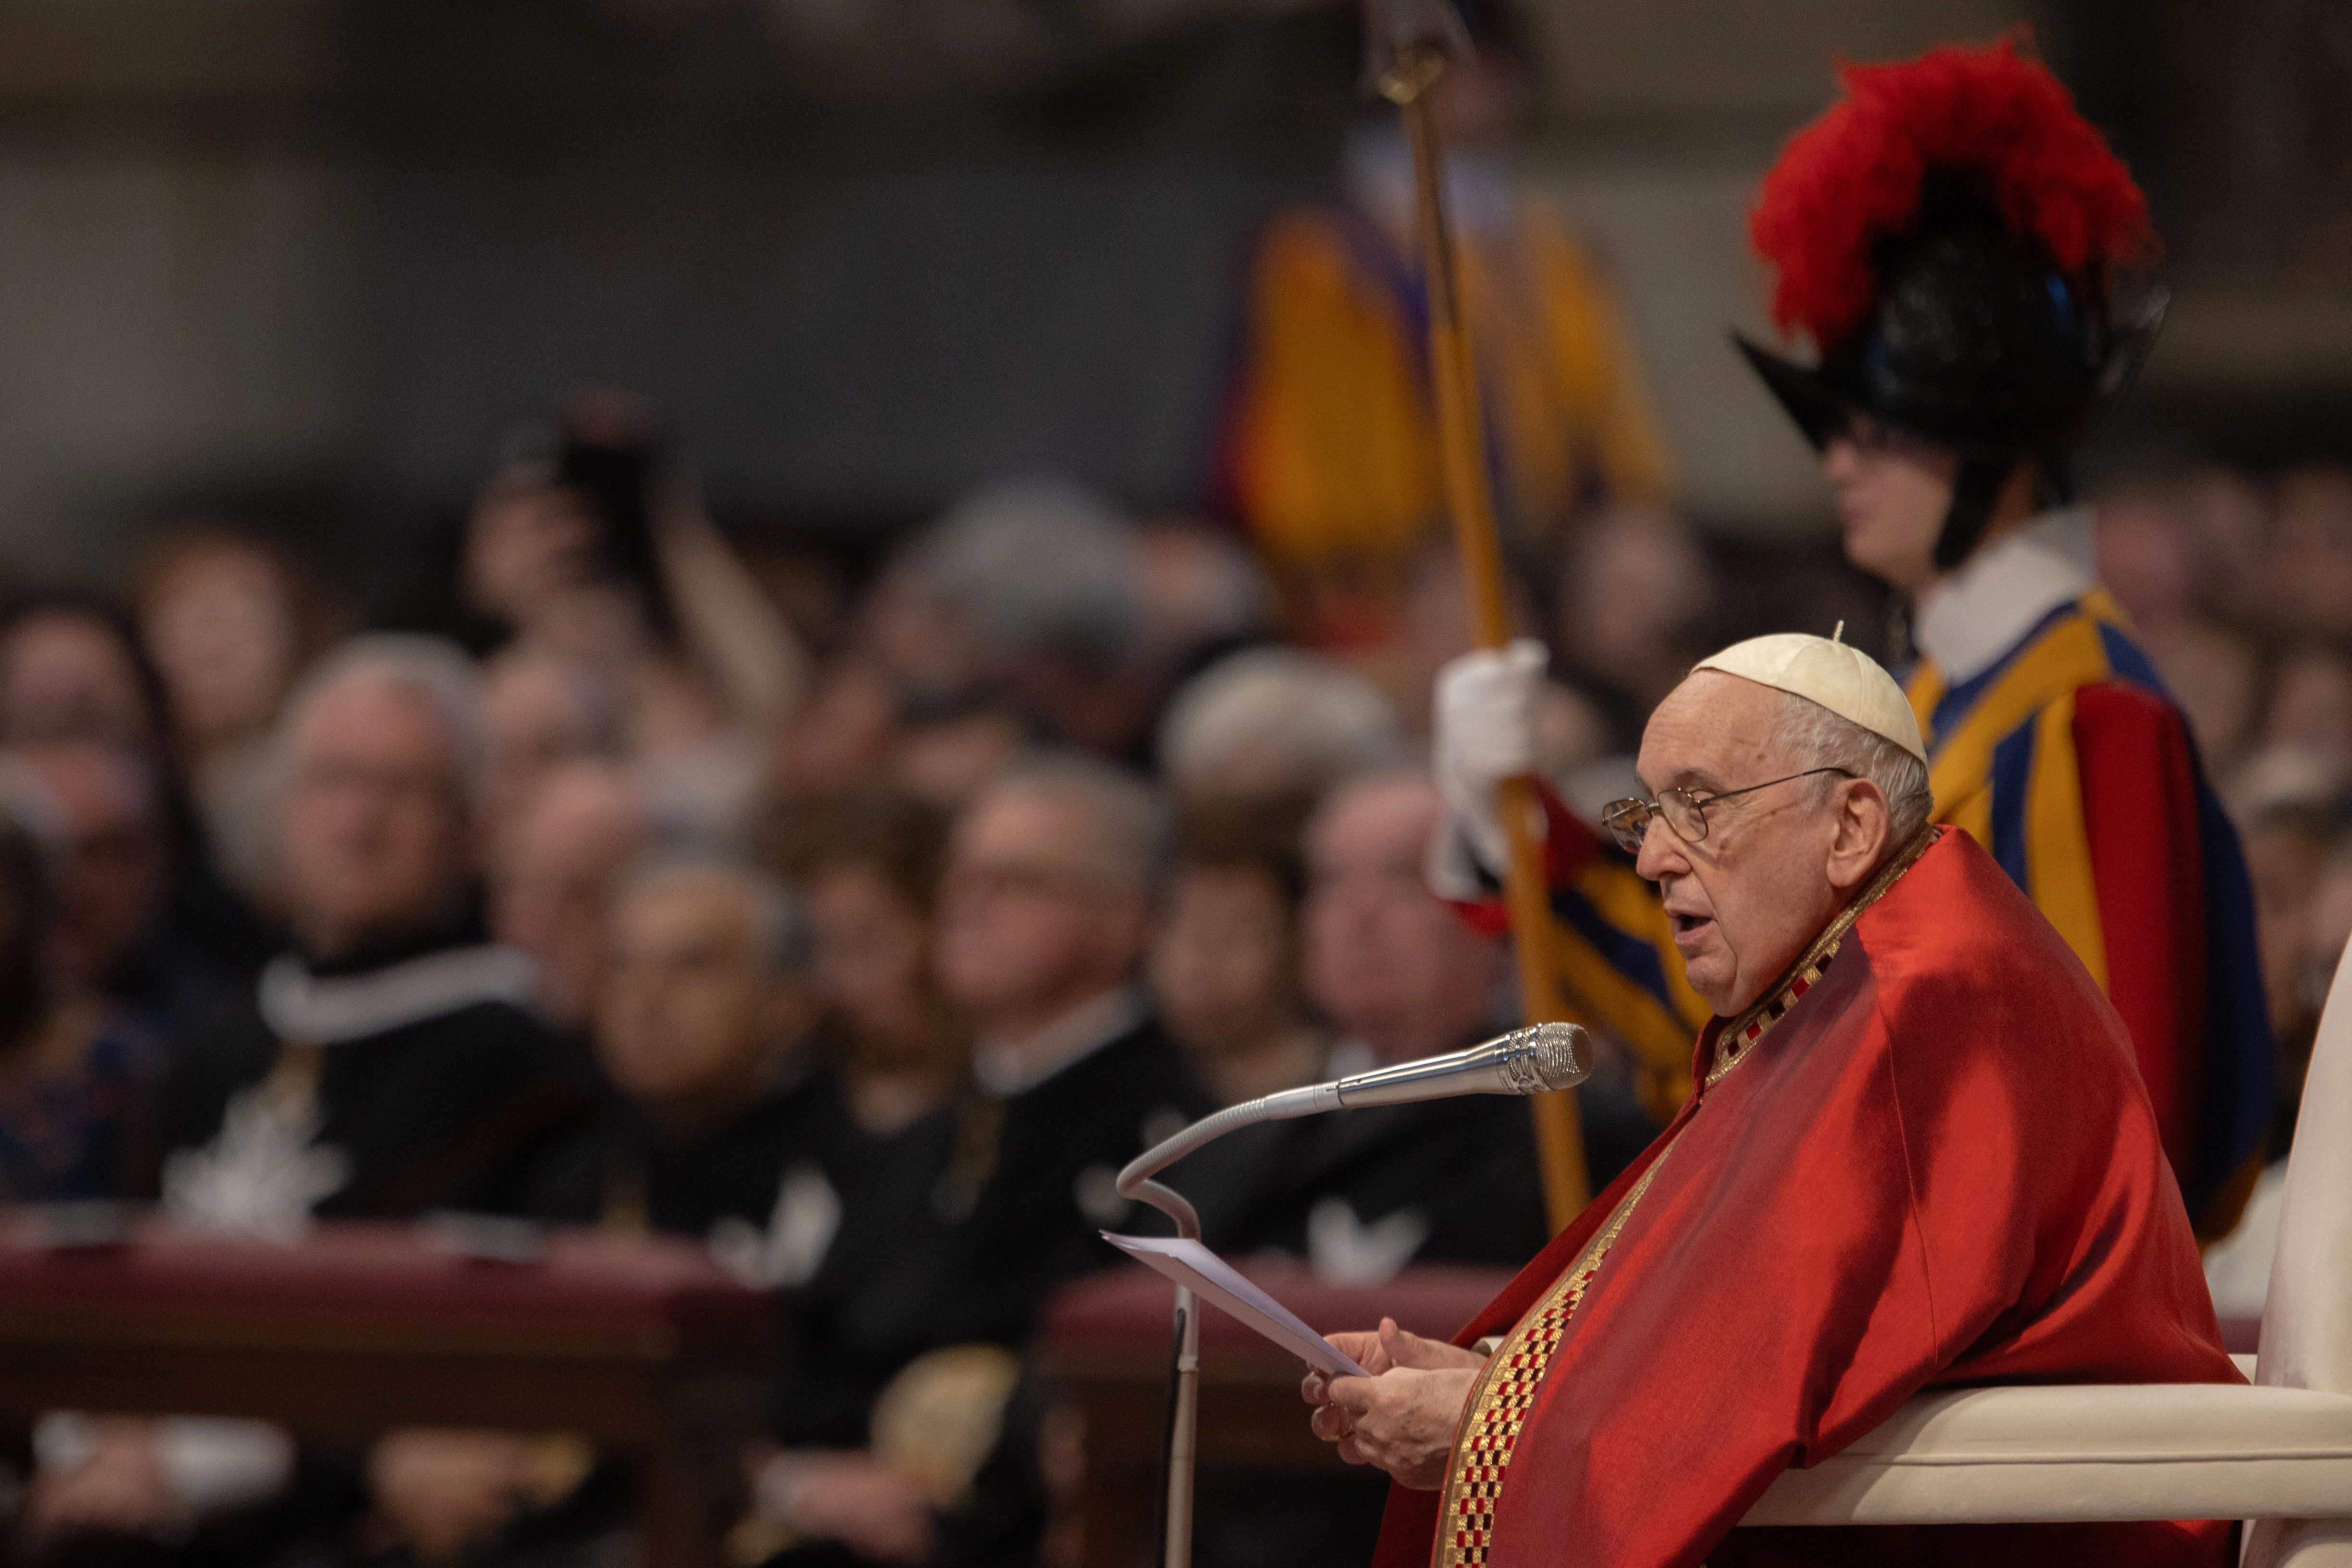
<point>1633,593</point>
<point>2310,707</point>
<point>703,1012</point>
<point>1360,1193</point>
<point>894,1053</point>
<point>1045,916</point>
<point>699,1028</point>
<point>869,868</point>
<point>2287,842</point>
<point>551,889</point>
<point>387,1065</point>
<point>384,1068</point>
<point>945,755</point>
<point>839,741</point>
<point>2215,674</point>
<point>1203,593</point>
<point>110,944</point>
<point>1225,956</point>
<point>539,713</point>
<point>1275,722</point>
<point>598,555</point>
<point>1031,591</point>
<point>73,669</point>
<point>75,1077</point>
<point>230,623</point>
<point>1045,913</point>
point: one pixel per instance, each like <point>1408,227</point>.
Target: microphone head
<point>1548,1056</point>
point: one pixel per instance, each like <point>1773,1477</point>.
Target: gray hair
<point>784,936</point>
<point>436,671</point>
<point>1038,565</point>
<point>1132,831</point>
<point>1296,711</point>
<point>1811,736</point>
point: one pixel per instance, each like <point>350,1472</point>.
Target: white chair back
<point>2307,1320</point>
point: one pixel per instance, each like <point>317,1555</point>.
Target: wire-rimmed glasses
<point>1684,812</point>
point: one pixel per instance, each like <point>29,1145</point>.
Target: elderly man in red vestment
<point>1917,1153</point>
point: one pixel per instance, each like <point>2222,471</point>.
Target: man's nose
<point>1840,459</point>
<point>1661,852</point>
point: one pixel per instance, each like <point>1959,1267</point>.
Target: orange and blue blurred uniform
<point>1328,451</point>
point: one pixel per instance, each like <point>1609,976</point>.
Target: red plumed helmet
<point>1857,177</point>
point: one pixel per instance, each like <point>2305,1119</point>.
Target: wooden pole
<point>1460,442</point>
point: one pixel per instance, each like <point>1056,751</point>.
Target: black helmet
<point>1987,321</point>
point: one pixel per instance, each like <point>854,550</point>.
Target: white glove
<point>1485,733</point>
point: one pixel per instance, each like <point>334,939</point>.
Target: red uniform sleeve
<point>2139,813</point>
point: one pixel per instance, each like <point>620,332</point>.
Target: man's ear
<point>1865,825</point>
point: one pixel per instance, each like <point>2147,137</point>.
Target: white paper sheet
<point>1212,1278</point>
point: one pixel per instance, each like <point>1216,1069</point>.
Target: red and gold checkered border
<point>1500,1401</point>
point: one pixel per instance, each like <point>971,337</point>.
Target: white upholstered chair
<point>2278,1454</point>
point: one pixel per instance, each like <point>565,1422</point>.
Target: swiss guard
<point>1328,449</point>
<point>1960,246</point>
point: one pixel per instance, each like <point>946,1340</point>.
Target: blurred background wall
<point>311,262</point>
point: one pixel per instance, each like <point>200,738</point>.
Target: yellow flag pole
<point>1413,66</point>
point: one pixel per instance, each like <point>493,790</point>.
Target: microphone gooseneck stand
<point>1532,1060</point>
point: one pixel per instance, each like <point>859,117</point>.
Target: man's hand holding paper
<point>1400,1419</point>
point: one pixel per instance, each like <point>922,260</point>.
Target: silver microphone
<point>1531,1060</point>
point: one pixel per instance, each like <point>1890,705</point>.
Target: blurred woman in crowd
<point>896,1056</point>
<point>1224,960</point>
<point>74,1077</point>
<point>73,669</point>
<point>230,623</point>
<point>869,868</point>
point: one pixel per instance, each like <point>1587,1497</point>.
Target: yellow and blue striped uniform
<point>2071,764</point>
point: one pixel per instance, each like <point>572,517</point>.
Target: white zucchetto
<point>1844,680</point>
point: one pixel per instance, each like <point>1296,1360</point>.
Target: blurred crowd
<point>865,947</point>
<point>2242,593</point>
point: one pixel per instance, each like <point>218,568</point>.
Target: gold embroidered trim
<point>1732,1046</point>
<point>1740,1036</point>
<point>1506,1389</point>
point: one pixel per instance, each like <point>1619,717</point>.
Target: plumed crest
<point>1855,176</point>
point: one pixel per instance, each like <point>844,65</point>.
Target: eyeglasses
<point>1872,437</point>
<point>1684,812</point>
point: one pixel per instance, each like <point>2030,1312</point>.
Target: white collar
<point>1011,1067</point>
<point>299,1006</point>
<point>1973,617</point>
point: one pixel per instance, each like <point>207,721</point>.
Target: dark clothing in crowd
<point>181,990</point>
<point>627,1172</point>
<point>1023,1191</point>
<point>454,1111</point>
<point>831,1371</point>
<point>1035,1224</point>
<point>212,930</point>
<point>1461,1173</point>
<point>84,1134</point>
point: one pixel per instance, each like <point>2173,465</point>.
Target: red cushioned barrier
<point>656,1293</point>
